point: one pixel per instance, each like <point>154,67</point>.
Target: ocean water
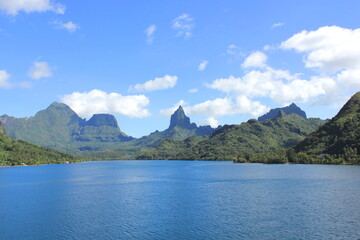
<point>179,200</point>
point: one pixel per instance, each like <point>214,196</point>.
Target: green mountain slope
<point>341,135</point>
<point>18,152</point>
<point>179,129</point>
<point>59,127</point>
<point>233,142</point>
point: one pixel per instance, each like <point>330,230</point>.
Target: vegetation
<point>235,142</point>
<point>18,152</point>
<point>60,128</point>
<point>341,135</point>
<point>336,142</point>
<point>283,138</point>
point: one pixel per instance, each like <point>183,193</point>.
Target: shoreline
<point>342,164</point>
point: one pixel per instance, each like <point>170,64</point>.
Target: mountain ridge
<point>232,142</point>
<point>291,109</point>
<point>340,135</point>
<point>59,127</point>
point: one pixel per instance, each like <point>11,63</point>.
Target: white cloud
<point>231,105</point>
<point>156,84</point>
<point>96,101</point>
<point>40,70</point>
<point>193,90</point>
<point>228,106</point>
<point>256,59</point>
<point>150,33</point>
<point>203,65</point>
<point>212,122</point>
<point>68,26</point>
<point>12,7</point>
<point>220,107</point>
<point>350,78</point>
<point>184,25</point>
<point>276,25</point>
<point>4,77</point>
<point>329,48</point>
<point>169,111</point>
<point>279,85</point>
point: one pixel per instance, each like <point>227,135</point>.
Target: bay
<point>179,200</point>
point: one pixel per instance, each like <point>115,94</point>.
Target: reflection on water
<point>179,200</point>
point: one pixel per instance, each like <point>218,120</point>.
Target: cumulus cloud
<point>331,50</point>
<point>40,70</point>
<point>350,78</point>
<point>156,84</point>
<point>276,25</point>
<point>328,48</point>
<point>68,26</point>
<point>96,101</point>
<point>203,65</point>
<point>212,122</point>
<point>279,85</point>
<point>228,106</point>
<point>183,25</point>
<point>4,77</point>
<point>13,7</point>
<point>150,33</point>
<point>276,86</point>
<point>220,107</point>
<point>256,59</point>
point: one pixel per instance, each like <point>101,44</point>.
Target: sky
<point>224,61</point>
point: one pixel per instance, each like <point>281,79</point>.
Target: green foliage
<point>60,128</point>
<point>340,136</point>
<point>18,152</point>
<point>235,142</point>
<point>290,156</point>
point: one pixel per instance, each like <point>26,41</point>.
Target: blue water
<point>179,200</point>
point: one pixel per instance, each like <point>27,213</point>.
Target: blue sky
<point>224,61</point>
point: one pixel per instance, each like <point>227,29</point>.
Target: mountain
<point>232,142</point>
<point>340,136</point>
<point>18,152</point>
<point>59,127</point>
<point>180,128</point>
<point>179,119</point>
<point>291,109</point>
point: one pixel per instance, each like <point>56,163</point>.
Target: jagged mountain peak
<point>179,119</point>
<point>102,119</point>
<point>273,113</point>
